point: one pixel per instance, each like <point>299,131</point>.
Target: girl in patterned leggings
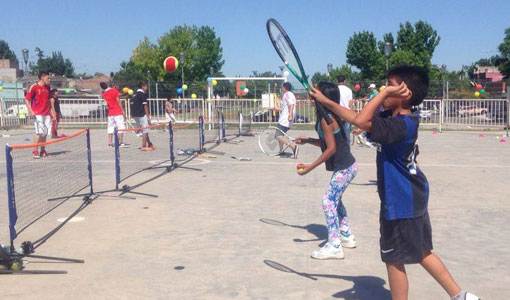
<point>336,154</point>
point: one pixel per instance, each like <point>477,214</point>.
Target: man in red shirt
<point>115,113</point>
<point>38,105</point>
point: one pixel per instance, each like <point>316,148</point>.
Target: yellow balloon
<point>125,90</point>
<point>184,87</point>
<point>194,96</point>
<point>382,88</point>
<point>254,100</point>
<point>214,82</point>
<point>130,92</point>
<point>477,94</point>
<point>1,88</point>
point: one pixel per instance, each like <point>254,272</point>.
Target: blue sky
<point>98,35</point>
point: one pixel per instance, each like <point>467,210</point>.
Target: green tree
<point>318,77</point>
<point>346,71</point>
<point>201,47</point>
<point>362,52</point>
<point>420,39</point>
<point>504,49</point>
<point>55,64</point>
<point>5,51</point>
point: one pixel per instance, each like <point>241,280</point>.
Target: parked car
<point>301,119</point>
<point>425,113</point>
<point>266,116</point>
<point>471,110</point>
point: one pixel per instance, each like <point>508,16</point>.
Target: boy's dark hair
<point>340,78</point>
<point>53,91</point>
<point>287,86</point>
<point>43,73</point>
<point>103,85</point>
<point>141,84</point>
<point>416,79</point>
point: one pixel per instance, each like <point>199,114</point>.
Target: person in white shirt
<point>345,101</point>
<point>287,115</point>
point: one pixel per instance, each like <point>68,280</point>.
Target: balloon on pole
<point>357,87</point>
<point>125,90</point>
<point>184,87</point>
<point>246,90</point>
<point>214,82</point>
<point>179,91</point>
<point>482,91</point>
<point>194,96</point>
<point>209,79</point>
<point>477,94</point>
<point>478,86</point>
<point>131,92</point>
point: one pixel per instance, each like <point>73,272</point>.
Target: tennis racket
<point>273,141</point>
<point>41,127</point>
<point>287,52</point>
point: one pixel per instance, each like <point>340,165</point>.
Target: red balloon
<point>478,87</point>
<point>357,87</point>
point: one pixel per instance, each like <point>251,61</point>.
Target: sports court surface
<point>202,238</point>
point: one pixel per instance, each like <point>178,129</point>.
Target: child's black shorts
<point>405,241</point>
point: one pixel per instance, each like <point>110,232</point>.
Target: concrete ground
<point>202,238</point>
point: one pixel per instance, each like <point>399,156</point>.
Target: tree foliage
<point>201,47</point>
<point>504,49</point>
<point>55,64</point>
<point>362,52</point>
<point>414,44</point>
<point>5,51</point>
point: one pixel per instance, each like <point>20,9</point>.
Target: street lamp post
<point>387,53</point>
<point>25,59</point>
<point>330,68</point>
<point>182,56</point>
<point>443,70</point>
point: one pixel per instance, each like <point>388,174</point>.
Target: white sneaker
<point>328,252</point>
<point>470,296</point>
<point>348,242</point>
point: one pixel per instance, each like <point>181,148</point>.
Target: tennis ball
<point>184,87</point>
<point>214,82</point>
<point>130,92</point>
<point>125,90</point>
<point>194,96</point>
<point>382,88</point>
<point>301,169</point>
<point>16,266</point>
<point>170,64</point>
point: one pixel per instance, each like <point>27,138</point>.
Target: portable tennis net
<point>132,158</point>
<point>35,187</point>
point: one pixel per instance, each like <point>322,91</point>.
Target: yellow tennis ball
<point>382,88</point>
<point>16,266</point>
<point>301,169</point>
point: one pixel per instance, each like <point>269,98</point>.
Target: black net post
<point>117,158</point>
<point>202,134</point>
<point>89,160</point>
<point>10,196</point>
<point>171,141</point>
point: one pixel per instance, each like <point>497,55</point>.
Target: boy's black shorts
<point>405,241</point>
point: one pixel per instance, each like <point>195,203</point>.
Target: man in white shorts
<point>37,102</point>
<point>287,114</point>
<point>115,113</point>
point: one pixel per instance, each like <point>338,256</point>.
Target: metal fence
<point>439,113</point>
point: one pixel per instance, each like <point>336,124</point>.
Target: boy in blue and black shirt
<point>406,234</point>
